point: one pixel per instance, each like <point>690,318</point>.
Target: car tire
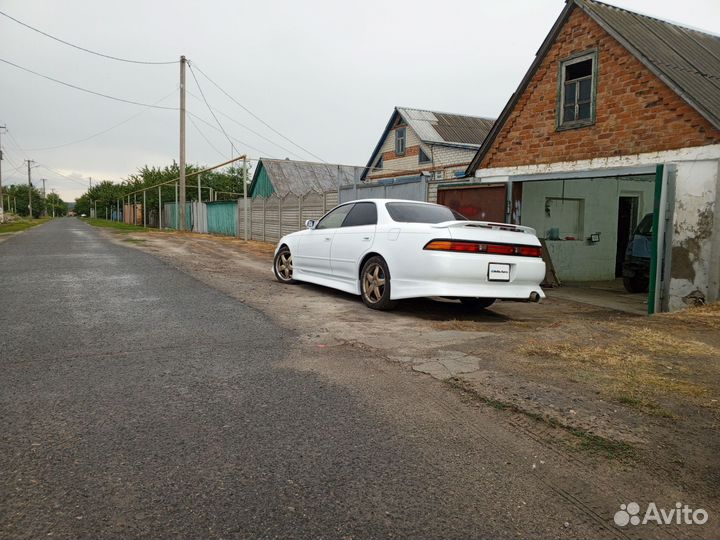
<point>480,303</point>
<point>375,284</point>
<point>283,266</point>
<point>636,284</point>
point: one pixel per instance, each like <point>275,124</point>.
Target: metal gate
<point>414,189</point>
<point>482,203</point>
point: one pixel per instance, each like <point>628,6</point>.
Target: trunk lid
<point>488,231</point>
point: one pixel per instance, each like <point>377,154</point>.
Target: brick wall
<point>636,112</point>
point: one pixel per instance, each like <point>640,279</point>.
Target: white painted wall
<point>695,262</point>
<point>696,213</point>
<point>579,260</point>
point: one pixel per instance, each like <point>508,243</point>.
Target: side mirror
<point>310,223</point>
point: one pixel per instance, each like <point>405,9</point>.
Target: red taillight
<point>530,251</point>
<point>476,247</point>
<point>449,245</point>
<point>500,249</point>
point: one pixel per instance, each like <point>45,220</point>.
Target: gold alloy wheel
<point>374,283</point>
<point>284,265</point>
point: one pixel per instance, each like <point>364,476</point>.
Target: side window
<point>364,213</point>
<point>400,134</point>
<point>577,91</point>
<point>334,219</point>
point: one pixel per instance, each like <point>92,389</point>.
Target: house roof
<point>301,177</point>
<point>687,60</point>
<point>433,127</point>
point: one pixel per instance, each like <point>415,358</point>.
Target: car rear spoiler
<point>485,225</point>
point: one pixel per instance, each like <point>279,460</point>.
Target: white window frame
<point>400,141</point>
<point>571,124</point>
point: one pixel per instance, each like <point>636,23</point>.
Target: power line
<point>257,117</point>
<point>63,175</point>
<point>99,132</point>
<point>192,121</point>
<point>83,48</point>
<point>250,129</point>
<point>192,72</point>
<point>89,91</point>
<point>243,143</point>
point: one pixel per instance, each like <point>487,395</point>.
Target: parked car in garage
<point>636,264</point>
<point>386,250</point>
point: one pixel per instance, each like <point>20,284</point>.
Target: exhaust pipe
<point>534,297</point>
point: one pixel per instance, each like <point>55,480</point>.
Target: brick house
<point>428,145</point>
<point>617,117</point>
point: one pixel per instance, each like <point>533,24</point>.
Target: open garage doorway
<point>587,225</point>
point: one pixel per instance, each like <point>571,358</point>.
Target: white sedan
<point>386,250</point>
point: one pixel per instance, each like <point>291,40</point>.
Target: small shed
<point>284,176</point>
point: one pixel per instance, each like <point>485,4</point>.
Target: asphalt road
<point>137,401</point>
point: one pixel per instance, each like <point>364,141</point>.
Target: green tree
<point>55,206</point>
<point>226,185</point>
<point>19,194</point>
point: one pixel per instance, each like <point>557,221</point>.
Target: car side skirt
<point>352,287</point>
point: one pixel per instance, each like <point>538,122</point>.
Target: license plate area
<point>498,272</point>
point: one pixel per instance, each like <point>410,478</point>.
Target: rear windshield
<point>422,213</point>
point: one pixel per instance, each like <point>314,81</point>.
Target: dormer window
<point>400,134</point>
<point>423,157</point>
<point>577,91</point>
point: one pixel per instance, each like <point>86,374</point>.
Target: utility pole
<point>44,198</point>
<point>2,206</point>
<point>181,225</point>
<point>29,161</point>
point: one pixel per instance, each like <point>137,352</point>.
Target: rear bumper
<point>466,275</point>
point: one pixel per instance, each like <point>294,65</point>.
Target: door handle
<point>327,238</point>
<point>366,238</point>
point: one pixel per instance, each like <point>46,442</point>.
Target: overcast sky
<point>326,74</point>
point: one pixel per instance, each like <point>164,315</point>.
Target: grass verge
<point>581,439</point>
<point>20,225</point>
<point>117,226</point>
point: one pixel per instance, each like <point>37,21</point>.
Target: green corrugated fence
<point>222,217</point>
<point>170,216</point>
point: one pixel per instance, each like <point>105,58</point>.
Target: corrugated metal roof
<point>300,177</point>
<point>445,128</point>
<point>687,60</point>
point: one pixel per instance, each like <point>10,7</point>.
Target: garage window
<point>576,93</point>
<point>564,218</point>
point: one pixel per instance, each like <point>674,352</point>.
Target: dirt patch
<point>589,379</point>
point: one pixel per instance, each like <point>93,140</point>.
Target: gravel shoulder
<point>612,391</point>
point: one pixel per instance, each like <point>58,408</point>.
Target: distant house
<point>617,117</point>
<point>415,141</point>
<point>284,176</point>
